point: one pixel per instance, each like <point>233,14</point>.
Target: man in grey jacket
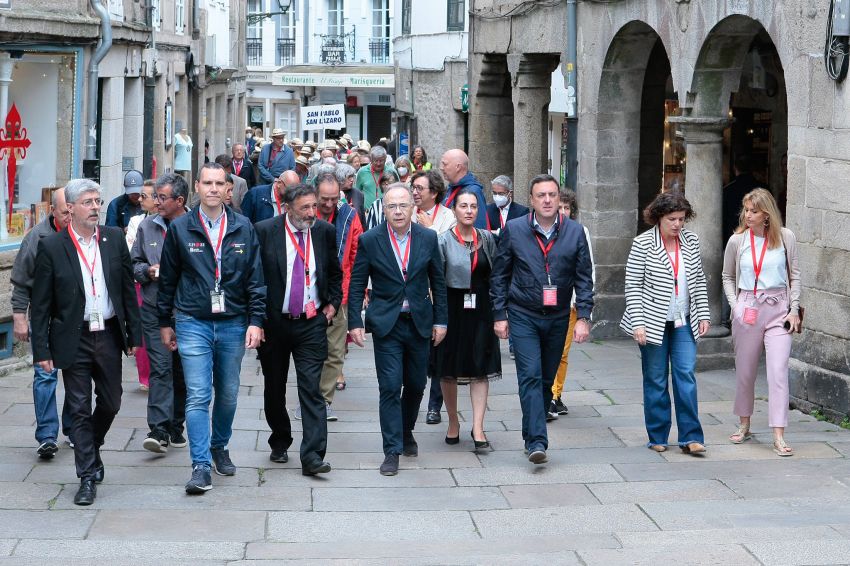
<point>44,383</point>
<point>167,394</point>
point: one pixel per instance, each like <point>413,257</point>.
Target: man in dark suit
<point>266,201</point>
<point>84,314</point>
<point>403,261</point>
<point>242,166</point>
<point>304,282</point>
<point>541,260</point>
<point>503,207</point>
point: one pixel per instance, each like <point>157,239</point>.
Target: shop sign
<point>327,117</point>
<point>464,98</point>
<point>333,80</point>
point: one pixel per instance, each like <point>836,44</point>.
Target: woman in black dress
<point>469,354</point>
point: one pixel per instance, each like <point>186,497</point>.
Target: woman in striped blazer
<point>666,312</point>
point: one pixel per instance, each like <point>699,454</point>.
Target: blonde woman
<point>762,283</point>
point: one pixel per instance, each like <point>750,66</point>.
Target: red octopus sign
<point>14,142</point>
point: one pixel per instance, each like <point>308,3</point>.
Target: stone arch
<point>610,192</point>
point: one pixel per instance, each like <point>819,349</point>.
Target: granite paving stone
<point>525,472</point>
<point>565,521</point>
<point>692,555</point>
<point>169,525</point>
<point>548,495</point>
<point>686,538</point>
<point>45,524</point>
<point>642,492</point>
<point>814,552</point>
<point>173,552</point>
<point>23,495</point>
<point>408,499</point>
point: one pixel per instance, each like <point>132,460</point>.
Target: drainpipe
<point>572,98</point>
<point>103,47</point>
<point>196,20</point>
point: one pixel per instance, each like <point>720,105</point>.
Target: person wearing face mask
<point>503,208</point>
<point>402,166</point>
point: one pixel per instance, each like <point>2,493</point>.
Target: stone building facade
<point>717,79</point>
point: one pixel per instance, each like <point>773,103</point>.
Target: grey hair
<point>504,181</point>
<point>55,195</point>
<point>326,177</point>
<point>343,171</point>
<point>76,187</point>
<point>378,152</point>
<point>179,186</point>
<point>404,186</point>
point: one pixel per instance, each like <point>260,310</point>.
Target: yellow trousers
<point>561,374</point>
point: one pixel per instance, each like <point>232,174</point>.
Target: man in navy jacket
<point>542,258</point>
<point>403,261</point>
<point>503,207</point>
<point>260,203</point>
<point>454,166</point>
<point>275,158</point>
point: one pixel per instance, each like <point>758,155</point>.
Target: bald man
<point>266,201</point>
<point>454,165</point>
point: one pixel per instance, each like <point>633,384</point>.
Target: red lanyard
<point>675,264</point>
<point>547,248</point>
<point>221,230</point>
<point>501,218</point>
<point>331,217</point>
<point>237,166</point>
<point>452,196</point>
<point>436,210</point>
<point>474,246</point>
<point>402,260</point>
<point>757,266</point>
<point>83,256</point>
<point>305,254</point>
<point>277,201</point>
<point>377,180</point>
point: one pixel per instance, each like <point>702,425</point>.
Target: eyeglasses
<point>162,198</point>
<point>419,188</point>
<point>400,206</point>
<point>143,196</point>
<point>91,202</point>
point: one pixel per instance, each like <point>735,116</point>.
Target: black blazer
<point>425,278</point>
<point>494,221</point>
<point>272,236</point>
<point>247,172</point>
<point>59,301</point>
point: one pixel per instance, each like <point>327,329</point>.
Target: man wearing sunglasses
<point>44,383</point>
<point>167,394</point>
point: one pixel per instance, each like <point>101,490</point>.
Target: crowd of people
<point>298,249</point>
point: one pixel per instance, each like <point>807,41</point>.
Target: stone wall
<point>439,120</point>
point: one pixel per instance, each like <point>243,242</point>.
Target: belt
<point>406,315</point>
<point>287,316</point>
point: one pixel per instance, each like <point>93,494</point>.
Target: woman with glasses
<point>470,354</point>
<point>147,199</point>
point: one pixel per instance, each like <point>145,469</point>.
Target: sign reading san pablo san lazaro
<point>328,117</point>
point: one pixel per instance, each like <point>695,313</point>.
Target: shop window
<point>457,15</point>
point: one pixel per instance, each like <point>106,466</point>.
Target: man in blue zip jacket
<point>275,158</point>
<point>542,258</point>
<point>454,165</point>
<point>266,201</point>
<point>211,283</point>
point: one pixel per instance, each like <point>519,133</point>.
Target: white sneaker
<point>297,412</point>
<point>331,416</point>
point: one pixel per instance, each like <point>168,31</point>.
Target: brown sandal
<point>741,435</point>
<point>781,448</point>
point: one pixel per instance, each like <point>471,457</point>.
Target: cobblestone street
<point>603,498</point>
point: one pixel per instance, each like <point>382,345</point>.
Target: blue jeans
<point>538,345</point>
<point>44,400</point>
<point>678,351</point>
<point>211,352</point>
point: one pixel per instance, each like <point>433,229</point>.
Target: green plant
<point>845,423</point>
<point>818,414</point>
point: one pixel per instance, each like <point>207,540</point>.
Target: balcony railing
<point>255,51</point>
<point>379,49</point>
<point>285,51</point>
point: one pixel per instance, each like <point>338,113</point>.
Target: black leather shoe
<point>320,468</point>
<point>279,456</point>
<point>410,448</point>
<point>452,440</point>
<point>479,444</point>
<point>86,494</point>
<point>433,417</point>
<point>390,465</point>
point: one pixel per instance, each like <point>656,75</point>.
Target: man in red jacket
<point>348,230</point>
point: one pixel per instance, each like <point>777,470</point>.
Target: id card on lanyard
<point>217,304</point>
<point>679,310</point>
<point>550,292</point>
<point>310,308</point>
<point>96,322</point>
<point>469,299</point>
<point>751,311</point>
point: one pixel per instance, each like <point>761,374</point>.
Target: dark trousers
<point>98,360</point>
<point>435,395</point>
<point>167,394</point>
<point>307,342</point>
<point>401,362</point>
<point>538,344</point>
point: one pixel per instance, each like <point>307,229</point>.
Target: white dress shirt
<point>774,272</point>
<point>311,292</point>
<point>275,211</point>
<point>442,218</point>
<point>100,302</point>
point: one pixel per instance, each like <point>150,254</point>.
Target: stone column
<point>491,123</point>
<point>6,67</point>
<point>704,189</point>
<point>532,83</point>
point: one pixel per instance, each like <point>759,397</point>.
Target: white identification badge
<point>217,300</point>
<point>95,322</point>
<point>469,301</point>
